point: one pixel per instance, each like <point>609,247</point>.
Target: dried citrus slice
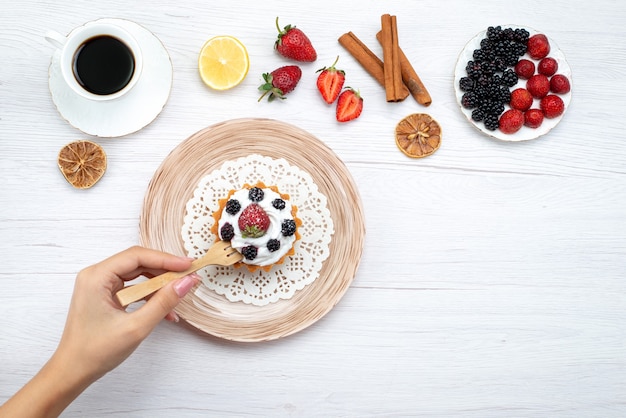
<point>418,135</point>
<point>82,163</point>
<point>223,62</point>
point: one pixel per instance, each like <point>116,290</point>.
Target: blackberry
<point>227,232</point>
<point>256,194</point>
<point>474,69</point>
<point>500,64</point>
<point>491,107</point>
<point>507,34</point>
<point>288,227</point>
<point>504,94</point>
<point>489,68</point>
<point>510,58</point>
<point>509,77</point>
<point>482,54</point>
<point>493,32</point>
<point>278,204</point>
<point>478,114</point>
<point>470,100</point>
<point>521,36</point>
<point>273,245</point>
<point>233,206</point>
<point>249,252</point>
<point>486,45</point>
<point>486,80</point>
<point>481,92</point>
<point>466,84</point>
<point>491,122</point>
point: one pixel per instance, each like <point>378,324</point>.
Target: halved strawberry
<point>253,221</point>
<point>330,82</point>
<point>349,105</point>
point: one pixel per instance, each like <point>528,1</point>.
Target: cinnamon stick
<point>368,60</point>
<point>410,78</point>
<point>391,58</point>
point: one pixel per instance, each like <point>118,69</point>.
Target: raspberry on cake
<point>260,223</point>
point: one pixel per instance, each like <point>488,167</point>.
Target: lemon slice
<point>223,62</point>
<point>418,135</point>
<point>82,163</point>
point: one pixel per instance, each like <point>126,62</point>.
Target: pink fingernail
<point>172,317</point>
<point>184,285</point>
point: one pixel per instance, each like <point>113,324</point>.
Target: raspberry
<point>538,85</point>
<point>288,227</point>
<point>525,69</point>
<point>559,84</point>
<point>547,66</point>
<point>233,206</point>
<point>511,121</point>
<point>538,46</point>
<point>227,232</point>
<point>552,106</point>
<point>521,99</point>
<point>533,118</point>
<point>256,194</point>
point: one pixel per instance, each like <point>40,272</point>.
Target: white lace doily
<point>283,280</point>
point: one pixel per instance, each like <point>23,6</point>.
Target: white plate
<point>173,185</point>
<point>129,113</point>
<point>525,133</point>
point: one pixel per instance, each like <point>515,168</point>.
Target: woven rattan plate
<point>173,185</point>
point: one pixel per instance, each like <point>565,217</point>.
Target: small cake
<point>260,223</point>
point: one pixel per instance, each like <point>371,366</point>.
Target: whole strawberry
<point>547,66</point>
<point>524,69</point>
<point>538,46</point>
<point>552,106</point>
<point>559,84</point>
<point>349,105</point>
<point>538,85</point>
<point>521,99</point>
<point>253,221</point>
<point>511,121</point>
<point>533,118</point>
<point>292,43</point>
<point>330,82</point>
<point>280,82</point>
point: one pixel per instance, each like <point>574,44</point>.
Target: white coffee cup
<point>103,79</point>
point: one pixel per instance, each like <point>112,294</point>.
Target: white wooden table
<point>492,281</point>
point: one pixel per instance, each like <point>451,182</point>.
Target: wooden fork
<point>220,253</point>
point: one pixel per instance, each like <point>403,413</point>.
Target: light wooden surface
<point>493,276</point>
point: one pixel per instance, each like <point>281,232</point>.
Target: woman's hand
<point>99,334</point>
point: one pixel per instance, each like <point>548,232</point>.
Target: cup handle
<point>55,38</point>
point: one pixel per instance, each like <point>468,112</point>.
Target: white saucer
<point>129,113</point>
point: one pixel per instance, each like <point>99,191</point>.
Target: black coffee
<point>103,65</point>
